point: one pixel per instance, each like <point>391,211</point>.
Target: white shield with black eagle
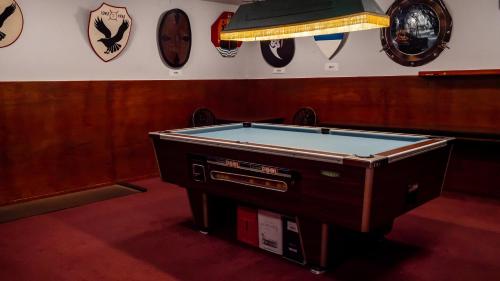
<point>109,30</point>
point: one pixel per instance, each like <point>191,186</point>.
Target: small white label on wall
<point>175,72</point>
<point>279,70</point>
<point>332,66</point>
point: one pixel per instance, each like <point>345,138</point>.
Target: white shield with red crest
<point>227,49</point>
<point>109,31</point>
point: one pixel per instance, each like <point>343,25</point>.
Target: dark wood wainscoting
<point>58,137</point>
<point>465,107</point>
<point>460,104</point>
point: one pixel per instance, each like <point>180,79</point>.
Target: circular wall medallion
<point>278,53</point>
<point>305,116</point>
<point>203,117</point>
<point>174,38</point>
<point>11,22</point>
<point>420,30</point>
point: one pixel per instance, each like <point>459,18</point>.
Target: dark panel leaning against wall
<point>58,137</point>
<point>52,138</point>
<point>452,104</point>
<point>475,168</point>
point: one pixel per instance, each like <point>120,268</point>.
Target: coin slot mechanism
<point>198,173</point>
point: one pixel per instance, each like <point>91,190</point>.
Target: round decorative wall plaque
<point>278,53</point>
<point>11,22</point>
<point>420,30</point>
<point>203,117</point>
<point>305,116</point>
<point>174,38</point>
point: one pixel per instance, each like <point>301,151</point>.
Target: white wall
<point>475,44</point>
<point>54,45</point>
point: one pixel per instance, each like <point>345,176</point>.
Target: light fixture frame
<point>250,27</point>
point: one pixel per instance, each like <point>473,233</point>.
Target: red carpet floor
<point>149,237</point>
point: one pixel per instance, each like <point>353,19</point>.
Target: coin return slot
<point>258,182</point>
<point>198,173</point>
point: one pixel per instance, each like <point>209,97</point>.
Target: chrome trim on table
<point>257,148</point>
<point>340,130</point>
<point>335,158</point>
<point>285,189</point>
<point>367,200</point>
<point>416,151</point>
<point>188,130</point>
<point>249,169</point>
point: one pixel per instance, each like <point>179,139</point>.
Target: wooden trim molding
<point>477,72</point>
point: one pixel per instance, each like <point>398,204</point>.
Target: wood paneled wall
<point>60,137</point>
<point>468,104</point>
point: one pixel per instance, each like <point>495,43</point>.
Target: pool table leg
<point>198,201</point>
<point>315,244</point>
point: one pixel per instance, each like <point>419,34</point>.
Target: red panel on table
<point>247,226</point>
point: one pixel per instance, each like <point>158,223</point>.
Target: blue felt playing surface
<point>362,144</point>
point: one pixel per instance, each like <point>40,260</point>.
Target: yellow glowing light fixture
<point>280,19</point>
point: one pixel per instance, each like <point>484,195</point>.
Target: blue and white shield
<point>331,44</point>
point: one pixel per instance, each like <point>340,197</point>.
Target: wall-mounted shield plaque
<point>227,49</point>
<point>331,44</point>
<point>278,53</point>
<point>11,22</point>
<point>420,30</point>
<point>109,30</point>
<point>174,38</point>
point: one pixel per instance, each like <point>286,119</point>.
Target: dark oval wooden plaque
<point>174,38</point>
<point>420,30</point>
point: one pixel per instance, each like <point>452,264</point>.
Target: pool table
<point>328,179</point>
